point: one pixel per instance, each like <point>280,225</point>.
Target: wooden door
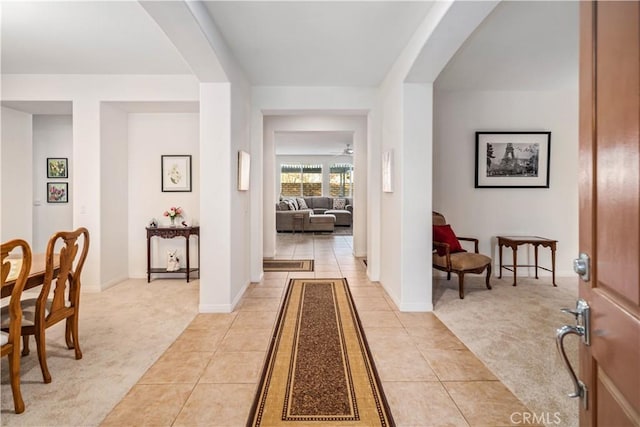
<point>610,209</point>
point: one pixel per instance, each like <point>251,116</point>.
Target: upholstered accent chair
<point>450,257</point>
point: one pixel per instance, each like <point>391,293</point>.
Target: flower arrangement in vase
<point>173,213</point>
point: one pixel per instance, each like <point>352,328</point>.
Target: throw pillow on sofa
<point>283,205</point>
<point>291,204</point>
<point>302,204</point>
<point>339,204</point>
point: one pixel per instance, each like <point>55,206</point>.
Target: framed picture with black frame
<point>57,192</point>
<point>176,173</point>
<point>513,159</point>
<point>57,167</point>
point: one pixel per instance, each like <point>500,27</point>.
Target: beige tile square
<point>177,367</point>
<point>246,340</point>
<point>422,404</point>
<point>264,292</point>
<point>457,365</point>
<point>214,321</point>
<point>253,320</point>
<point>435,338</point>
<point>217,405</point>
<point>487,403</point>
<point>149,405</point>
<point>234,367</point>
<point>372,303</point>
<point>402,365</point>
<point>205,340</point>
<point>259,304</point>
<point>386,319</point>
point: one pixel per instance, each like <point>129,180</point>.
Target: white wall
<point>151,135</point>
<point>17,175</point>
<point>114,203</point>
<point>52,137</point>
<point>488,212</point>
<point>87,92</point>
<point>241,231</point>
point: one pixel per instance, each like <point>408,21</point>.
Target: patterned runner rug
<point>319,370</point>
<point>287,265</point>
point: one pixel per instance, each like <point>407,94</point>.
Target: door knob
<point>582,266</point>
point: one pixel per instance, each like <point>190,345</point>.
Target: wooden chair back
<point>65,284</point>
<point>12,346</point>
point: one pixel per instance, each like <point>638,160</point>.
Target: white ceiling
<point>522,44</point>
<point>84,37</point>
<point>317,43</point>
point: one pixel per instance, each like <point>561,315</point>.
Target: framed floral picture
<point>57,192</point>
<point>57,167</point>
<point>176,173</point>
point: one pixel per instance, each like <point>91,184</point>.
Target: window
<point>341,180</point>
<point>301,180</point>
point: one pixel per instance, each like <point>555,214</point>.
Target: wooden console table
<point>170,233</point>
<point>514,241</point>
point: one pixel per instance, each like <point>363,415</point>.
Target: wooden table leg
<point>553,264</point>
<point>500,257</point>
<point>148,259</point>
<point>535,251</point>
<point>515,263</point>
<point>187,240</point>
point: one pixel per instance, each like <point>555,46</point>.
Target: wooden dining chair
<point>40,313</point>
<point>11,338</point>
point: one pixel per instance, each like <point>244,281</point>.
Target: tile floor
<point>209,375</point>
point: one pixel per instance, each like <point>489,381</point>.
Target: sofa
<point>316,213</point>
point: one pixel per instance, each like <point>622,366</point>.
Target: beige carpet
<point>512,330</point>
<point>122,332</point>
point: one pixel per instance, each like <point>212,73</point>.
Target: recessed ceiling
<point>521,45</point>
<point>84,37</point>
<point>317,43</point>
<point>312,143</point>
<point>41,107</point>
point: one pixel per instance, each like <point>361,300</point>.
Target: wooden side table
<point>170,233</point>
<point>514,241</point>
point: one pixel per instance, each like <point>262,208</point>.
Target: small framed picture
<point>57,167</point>
<point>57,192</point>
<point>176,173</point>
<point>513,159</point>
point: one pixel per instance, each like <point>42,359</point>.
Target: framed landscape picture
<point>176,173</point>
<point>57,167</point>
<point>513,159</point>
<point>57,192</point>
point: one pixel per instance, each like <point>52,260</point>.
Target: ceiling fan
<point>348,151</point>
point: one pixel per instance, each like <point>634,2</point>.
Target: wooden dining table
<point>36,273</point>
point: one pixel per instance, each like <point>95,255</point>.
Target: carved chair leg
<point>25,345</point>
<point>461,284</point>
<point>14,373</point>
<point>488,276</point>
<point>41,345</point>
<point>72,335</point>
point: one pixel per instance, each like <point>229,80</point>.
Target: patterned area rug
<point>287,265</point>
<point>319,369</point>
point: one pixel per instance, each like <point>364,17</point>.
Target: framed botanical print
<point>57,167</point>
<point>176,173</point>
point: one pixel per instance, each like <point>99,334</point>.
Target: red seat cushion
<point>445,234</point>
